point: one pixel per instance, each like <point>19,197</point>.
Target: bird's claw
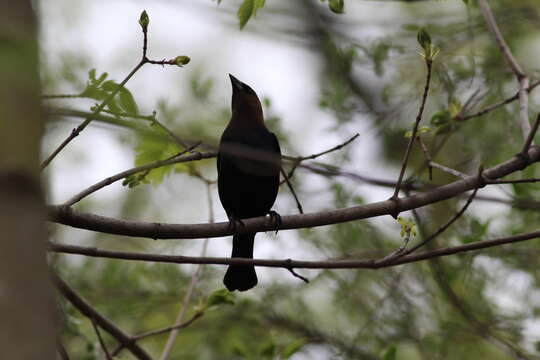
<point>275,219</point>
<point>233,223</point>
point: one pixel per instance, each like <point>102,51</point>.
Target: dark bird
<point>248,164</point>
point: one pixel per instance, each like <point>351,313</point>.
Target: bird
<point>248,166</point>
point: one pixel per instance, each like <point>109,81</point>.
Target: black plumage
<point>248,164</point>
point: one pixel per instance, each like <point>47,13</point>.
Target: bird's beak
<point>236,84</point>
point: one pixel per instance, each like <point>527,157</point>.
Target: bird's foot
<point>233,223</point>
<point>275,219</point>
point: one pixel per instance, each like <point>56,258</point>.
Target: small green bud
<point>423,38</point>
<point>182,60</point>
<point>144,20</point>
<point>336,6</point>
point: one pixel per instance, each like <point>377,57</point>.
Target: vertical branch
<point>429,63</point>
<point>194,279</point>
<point>514,66</point>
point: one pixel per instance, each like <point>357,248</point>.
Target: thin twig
<point>194,279</point>
<point>86,309</point>
<point>494,29</point>
<point>514,66</point>
<point>429,65</point>
<point>298,204</point>
<point>62,350</point>
<point>337,147</point>
<point>497,105</point>
<point>298,159</point>
<point>531,135</point>
<point>518,181</point>
<point>288,263</point>
<point>75,132</point>
<point>101,342</point>
<point>448,170</point>
<point>452,220</point>
<point>182,325</point>
<point>427,155</point>
<point>175,159</point>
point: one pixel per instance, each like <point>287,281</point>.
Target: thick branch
<point>65,215</point>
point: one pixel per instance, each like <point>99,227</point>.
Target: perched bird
<point>248,164</point>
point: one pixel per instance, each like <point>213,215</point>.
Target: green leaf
<point>109,85</point>
<point>247,10</point>
<point>423,38</point>
<point>336,6</point>
<point>219,297</point>
<point>440,117</point>
<point>466,2</point>
<point>292,348</point>
<point>150,149</point>
<point>127,102</point>
<point>92,74</point>
<point>390,354</point>
<point>268,350</point>
<point>244,12</point>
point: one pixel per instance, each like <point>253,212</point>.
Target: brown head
<point>245,104</point>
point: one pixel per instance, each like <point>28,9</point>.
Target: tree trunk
<point>27,321</point>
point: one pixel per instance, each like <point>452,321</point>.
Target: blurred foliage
<point>466,306</point>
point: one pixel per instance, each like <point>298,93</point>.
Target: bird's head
<point>244,100</point>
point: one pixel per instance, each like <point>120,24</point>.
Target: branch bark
<point>67,216</point>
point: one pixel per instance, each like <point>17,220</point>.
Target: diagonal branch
<point>178,158</point>
<point>86,309</point>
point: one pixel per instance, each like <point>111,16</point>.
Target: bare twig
<point>429,65</point>
<point>427,155</point>
<point>298,204</point>
<point>518,181</point>
<point>178,158</point>
<point>448,170</point>
<point>514,66</point>
<point>298,159</point>
<point>62,350</point>
<point>494,29</point>
<point>337,147</point>
<point>288,263</point>
<point>530,136</point>
<point>85,308</point>
<point>189,293</point>
<point>497,105</point>
<point>452,220</point>
<point>101,342</point>
<point>182,325</point>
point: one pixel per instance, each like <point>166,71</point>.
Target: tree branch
<point>67,216</point>
<point>178,158</point>
<point>429,65</point>
<point>514,66</point>
<point>288,263</point>
<point>86,309</point>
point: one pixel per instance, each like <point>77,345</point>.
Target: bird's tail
<point>241,277</point>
